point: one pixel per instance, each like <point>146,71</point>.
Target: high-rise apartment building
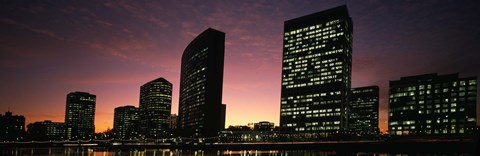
<point>80,116</point>
<point>201,113</point>
<point>155,108</point>
<point>432,104</point>
<point>363,118</point>
<point>316,73</point>
<point>126,122</point>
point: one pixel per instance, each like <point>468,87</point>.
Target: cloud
<point>104,22</point>
<point>106,78</point>
<point>137,10</point>
<point>107,49</point>
<point>32,28</point>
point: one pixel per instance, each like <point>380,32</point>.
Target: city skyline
<point>390,41</point>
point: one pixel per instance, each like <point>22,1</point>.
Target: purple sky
<point>110,48</point>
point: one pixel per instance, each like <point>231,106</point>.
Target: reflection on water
<point>81,151</point>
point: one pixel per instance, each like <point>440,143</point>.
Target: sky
<point>110,48</point>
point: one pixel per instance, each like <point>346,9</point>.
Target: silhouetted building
<point>46,130</point>
<point>200,107</point>
<point>264,126</point>
<point>223,114</point>
<point>239,128</point>
<point>155,108</point>
<point>172,122</point>
<point>126,122</point>
<point>12,127</point>
<point>316,73</point>
<point>363,118</point>
<point>80,116</point>
<point>432,104</point>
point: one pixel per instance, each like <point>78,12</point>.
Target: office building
<point>155,108</point>
<point>126,122</point>
<point>201,82</point>
<point>172,122</point>
<point>432,104</point>
<point>80,116</point>
<point>46,130</point>
<point>316,73</point>
<point>363,118</point>
<point>12,127</point>
<point>264,126</point>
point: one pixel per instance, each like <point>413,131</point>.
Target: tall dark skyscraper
<point>155,107</point>
<point>363,118</point>
<point>201,82</point>
<point>12,127</point>
<point>316,73</point>
<point>80,116</point>
<point>432,104</point>
<point>126,122</point>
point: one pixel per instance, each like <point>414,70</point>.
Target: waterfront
<point>402,148</point>
<point>94,151</point>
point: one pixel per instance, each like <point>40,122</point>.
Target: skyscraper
<point>80,116</point>
<point>363,118</point>
<point>155,107</point>
<point>126,122</point>
<point>316,73</point>
<point>200,106</point>
<point>12,127</point>
<point>432,104</point>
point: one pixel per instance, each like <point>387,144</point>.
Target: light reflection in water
<point>88,151</point>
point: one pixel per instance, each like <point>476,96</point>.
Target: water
<point>88,151</point>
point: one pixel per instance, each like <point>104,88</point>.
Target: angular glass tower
<point>432,104</point>
<point>80,116</point>
<point>363,118</point>
<point>155,108</point>
<point>316,73</point>
<point>126,122</point>
<point>201,113</point>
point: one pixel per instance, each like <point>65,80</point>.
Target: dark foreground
<point>441,147</point>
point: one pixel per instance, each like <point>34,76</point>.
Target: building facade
<point>432,104</point>
<point>46,130</point>
<point>264,126</point>
<point>80,116</point>
<point>172,122</point>
<point>12,127</point>
<point>363,118</point>
<point>201,82</point>
<point>316,73</point>
<point>126,122</point>
<point>155,108</point>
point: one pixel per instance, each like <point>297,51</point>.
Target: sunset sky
<point>111,48</point>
